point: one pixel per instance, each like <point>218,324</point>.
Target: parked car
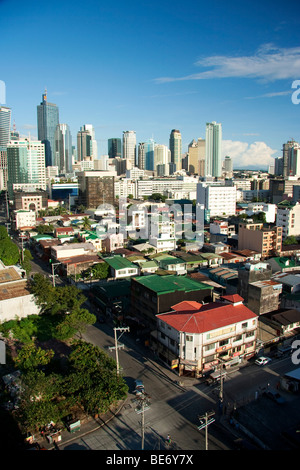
<point>261,361</point>
<point>139,387</point>
<point>275,396</point>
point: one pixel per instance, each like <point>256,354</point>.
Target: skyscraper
<point>5,118</point>
<point>161,159</point>
<point>129,148</point>
<point>196,159</point>
<point>47,120</point>
<point>114,147</point>
<point>213,144</point>
<point>26,165</point>
<point>94,148</point>
<point>63,148</point>
<point>175,145</point>
<point>84,145</point>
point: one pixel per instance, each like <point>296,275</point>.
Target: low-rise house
<point>70,250</point>
<point>195,338</point>
<point>277,326</point>
<point>171,263</point>
<point>121,267</point>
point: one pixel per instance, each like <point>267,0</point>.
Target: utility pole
<point>53,272</point>
<point>205,421</point>
<point>143,405</point>
<point>117,345</point>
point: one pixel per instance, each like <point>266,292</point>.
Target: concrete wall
<point>18,307</point>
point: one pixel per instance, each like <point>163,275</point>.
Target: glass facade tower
<point>47,120</point>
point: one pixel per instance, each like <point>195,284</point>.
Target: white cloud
<point>268,63</point>
<point>245,155</point>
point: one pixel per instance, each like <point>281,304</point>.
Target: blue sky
<point>154,66</point>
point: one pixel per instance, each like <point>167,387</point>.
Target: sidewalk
<point>87,426</point>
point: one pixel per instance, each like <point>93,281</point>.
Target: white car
<point>261,361</point>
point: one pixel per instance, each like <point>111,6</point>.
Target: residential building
<point>63,149</point>
<point>227,167</point>
<point>112,242</point>
<point>213,147</point>
<point>175,146</point>
<point>24,220</point>
<point>129,148</point>
<point>96,188</point>
<point>288,217</point>
<point>264,296</point>
<point>25,165</point>
<point>196,338</point>
<point>258,237</point>
<point>154,294</point>
<point>162,233</point>
<point>252,272</point>
<point>47,121</point>
<point>218,200</point>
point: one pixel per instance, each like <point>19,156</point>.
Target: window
<point>189,338</point>
<point>209,347</point>
<point>244,325</point>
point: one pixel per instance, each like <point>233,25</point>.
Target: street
<point>175,404</point>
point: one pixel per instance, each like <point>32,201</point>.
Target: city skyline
<point>202,63</point>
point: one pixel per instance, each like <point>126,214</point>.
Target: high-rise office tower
<point>213,145</point>
<point>47,120</point>
<point>129,148</point>
<point>141,156</point>
<point>290,159</point>
<point>63,148</point>
<point>26,165</point>
<point>175,145</point>
<point>196,159</point>
<point>146,155</point>
<point>84,145</point>
<point>94,147</point>
<point>162,156</point>
<point>114,147</point>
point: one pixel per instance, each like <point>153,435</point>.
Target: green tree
<point>97,271</point>
<point>3,232</point>
<point>31,357</point>
<point>9,252</point>
<point>26,264</point>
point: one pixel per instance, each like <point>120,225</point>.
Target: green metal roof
<point>118,262</point>
<point>170,283</point>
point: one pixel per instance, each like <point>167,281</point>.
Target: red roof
<point>233,298</point>
<point>208,317</point>
<point>187,306</point>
